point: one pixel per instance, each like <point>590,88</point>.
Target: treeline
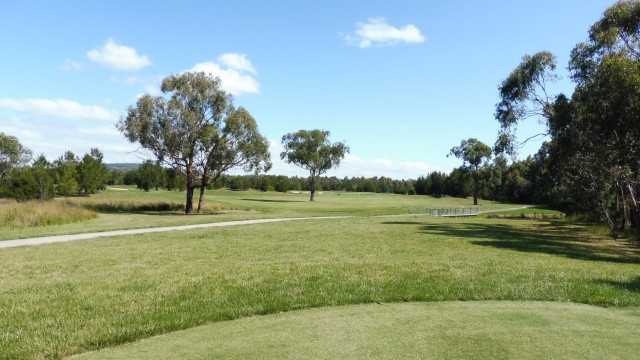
<point>523,181</point>
<point>43,179</point>
<point>594,149</point>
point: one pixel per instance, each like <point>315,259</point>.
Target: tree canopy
<point>524,94</point>
<point>12,154</point>
<point>474,153</point>
<point>197,131</point>
<point>594,149</point>
<point>312,151</point>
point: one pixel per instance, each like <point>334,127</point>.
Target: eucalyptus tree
<point>595,133</point>
<point>196,131</point>
<point>524,94</point>
<point>312,151</point>
<point>603,130</point>
<point>474,154</point>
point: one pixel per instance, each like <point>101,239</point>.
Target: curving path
<point>86,236</point>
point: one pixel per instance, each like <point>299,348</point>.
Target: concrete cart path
<point>65,238</point>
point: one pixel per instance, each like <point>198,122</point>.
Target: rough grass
<point>444,330</point>
<point>133,208</point>
<point>528,213</point>
<point>64,299</point>
<point>21,215</point>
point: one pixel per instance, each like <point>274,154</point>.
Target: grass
<point>529,213</point>
<point>444,330</point>
<point>69,298</point>
<point>131,208</point>
<point>19,216</point>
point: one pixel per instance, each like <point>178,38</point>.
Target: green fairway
<point>124,207</point>
<point>63,299</point>
<point>444,330</point>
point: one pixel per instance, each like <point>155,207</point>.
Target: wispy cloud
<point>377,32</point>
<point>235,72</point>
<point>118,57</point>
<point>71,66</point>
<point>354,166</point>
<point>58,108</point>
<point>238,62</point>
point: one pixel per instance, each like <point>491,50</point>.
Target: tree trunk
<point>189,206</point>
<point>203,186</point>
<point>476,190</point>
<point>635,208</point>
<point>190,188</point>
<point>313,187</point>
<point>201,198</point>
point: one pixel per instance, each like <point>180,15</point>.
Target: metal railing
<point>444,211</point>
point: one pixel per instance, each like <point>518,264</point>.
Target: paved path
<point>65,238</point>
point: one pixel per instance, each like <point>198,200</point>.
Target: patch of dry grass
<point>19,215</point>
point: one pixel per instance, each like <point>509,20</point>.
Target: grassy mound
<point>444,330</point>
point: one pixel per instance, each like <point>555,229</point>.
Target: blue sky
<point>401,82</point>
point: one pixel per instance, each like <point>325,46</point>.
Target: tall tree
<point>187,131</point>
<point>312,151</point>
<point>601,129</point>
<point>474,154</point>
<point>593,152</point>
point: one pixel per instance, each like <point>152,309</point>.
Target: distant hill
<point>123,166</point>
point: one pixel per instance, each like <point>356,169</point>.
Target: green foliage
<point>12,155</point>
<point>151,176</point>
<point>524,94</point>
<point>312,151</point>
<point>474,153</point>
<point>92,173</point>
<point>197,131</point>
<point>44,176</point>
<point>592,161</point>
<point>67,183</point>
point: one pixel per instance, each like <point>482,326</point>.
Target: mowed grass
<point>63,299</point>
<point>442,330</point>
<point>126,207</point>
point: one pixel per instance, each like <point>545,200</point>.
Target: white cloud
<point>238,62</point>
<point>235,72</point>
<point>118,57</point>
<point>59,108</point>
<point>376,31</point>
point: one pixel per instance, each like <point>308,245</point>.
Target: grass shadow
<point>631,285</point>
<point>544,237</point>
